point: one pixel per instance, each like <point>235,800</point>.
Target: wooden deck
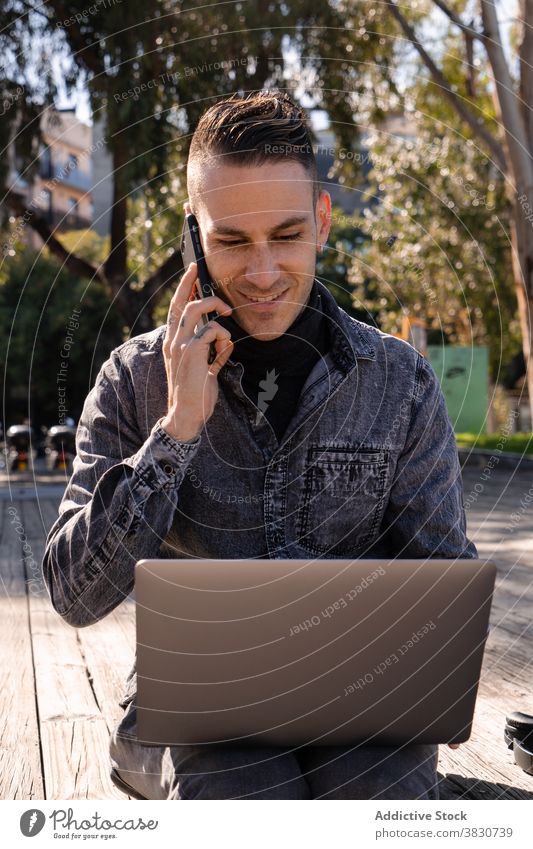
<point>60,686</point>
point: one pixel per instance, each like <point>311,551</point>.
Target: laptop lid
<point>321,652</point>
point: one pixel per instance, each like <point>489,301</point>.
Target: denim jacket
<point>367,467</point>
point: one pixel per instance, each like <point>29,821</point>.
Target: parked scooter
<point>61,447</point>
<point>40,443</point>
<point>18,447</point>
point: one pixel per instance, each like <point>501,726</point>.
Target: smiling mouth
<point>269,299</point>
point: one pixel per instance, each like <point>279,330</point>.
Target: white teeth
<point>263,300</point>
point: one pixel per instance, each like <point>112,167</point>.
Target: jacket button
<point>168,469</point>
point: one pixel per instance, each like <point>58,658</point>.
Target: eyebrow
<point>225,230</point>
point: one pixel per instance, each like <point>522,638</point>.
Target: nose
<point>262,270</point>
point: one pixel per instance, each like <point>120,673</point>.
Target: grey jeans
<point>238,772</point>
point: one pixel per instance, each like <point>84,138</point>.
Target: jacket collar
<point>350,339</point>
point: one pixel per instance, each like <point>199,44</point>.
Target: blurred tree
<point>445,62</point>
<point>150,72</point>
<point>85,243</point>
<point>45,311</point>
<point>346,241</point>
<point>438,244</point>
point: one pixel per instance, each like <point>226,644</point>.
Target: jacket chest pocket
<point>343,500</point>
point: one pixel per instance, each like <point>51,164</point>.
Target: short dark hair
<point>260,127</point>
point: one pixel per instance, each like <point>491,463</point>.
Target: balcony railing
<point>66,220</point>
<point>64,172</point>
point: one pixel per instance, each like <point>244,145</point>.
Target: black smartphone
<point>192,251</point>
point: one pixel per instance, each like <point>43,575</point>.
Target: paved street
<point>500,514</point>
<point>45,661</point>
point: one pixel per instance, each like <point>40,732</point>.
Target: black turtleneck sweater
<point>276,370</point>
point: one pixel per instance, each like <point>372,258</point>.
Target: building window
<point>45,163</point>
<point>46,198</point>
<point>72,163</point>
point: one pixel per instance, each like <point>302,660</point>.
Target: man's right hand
<point>192,382</point>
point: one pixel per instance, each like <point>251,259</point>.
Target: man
<point>310,435</point>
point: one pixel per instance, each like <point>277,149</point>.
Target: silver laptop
<point>309,652</point>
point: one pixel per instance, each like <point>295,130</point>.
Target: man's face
<point>260,235</point>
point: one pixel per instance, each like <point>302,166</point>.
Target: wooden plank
<point>483,767</point>
<point>107,670</point>
<point>39,514</point>
<point>107,678</point>
<point>20,761</point>
<point>460,787</point>
<point>49,512</point>
<point>76,760</point>
<point>74,733</point>
<point>485,759</point>
<point>32,517</point>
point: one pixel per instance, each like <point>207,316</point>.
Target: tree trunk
<point>134,307</point>
<point>524,227</point>
<point>522,256</point>
<point>517,126</point>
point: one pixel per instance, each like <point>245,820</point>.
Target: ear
<point>323,219</point>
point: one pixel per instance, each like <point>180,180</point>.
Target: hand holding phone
<point>193,357</point>
<point>192,251</point>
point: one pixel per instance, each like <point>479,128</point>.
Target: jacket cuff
<point>162,461</point>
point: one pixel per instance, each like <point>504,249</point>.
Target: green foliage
<point>151,71</point>
<point>37,299</point>
<point>449,262</point>
<point>438,225</point>
<point>345,243</point>
<point>150,74</point>
<point>87,244</point>
<point>153,234</point>
<point>517,443</point>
